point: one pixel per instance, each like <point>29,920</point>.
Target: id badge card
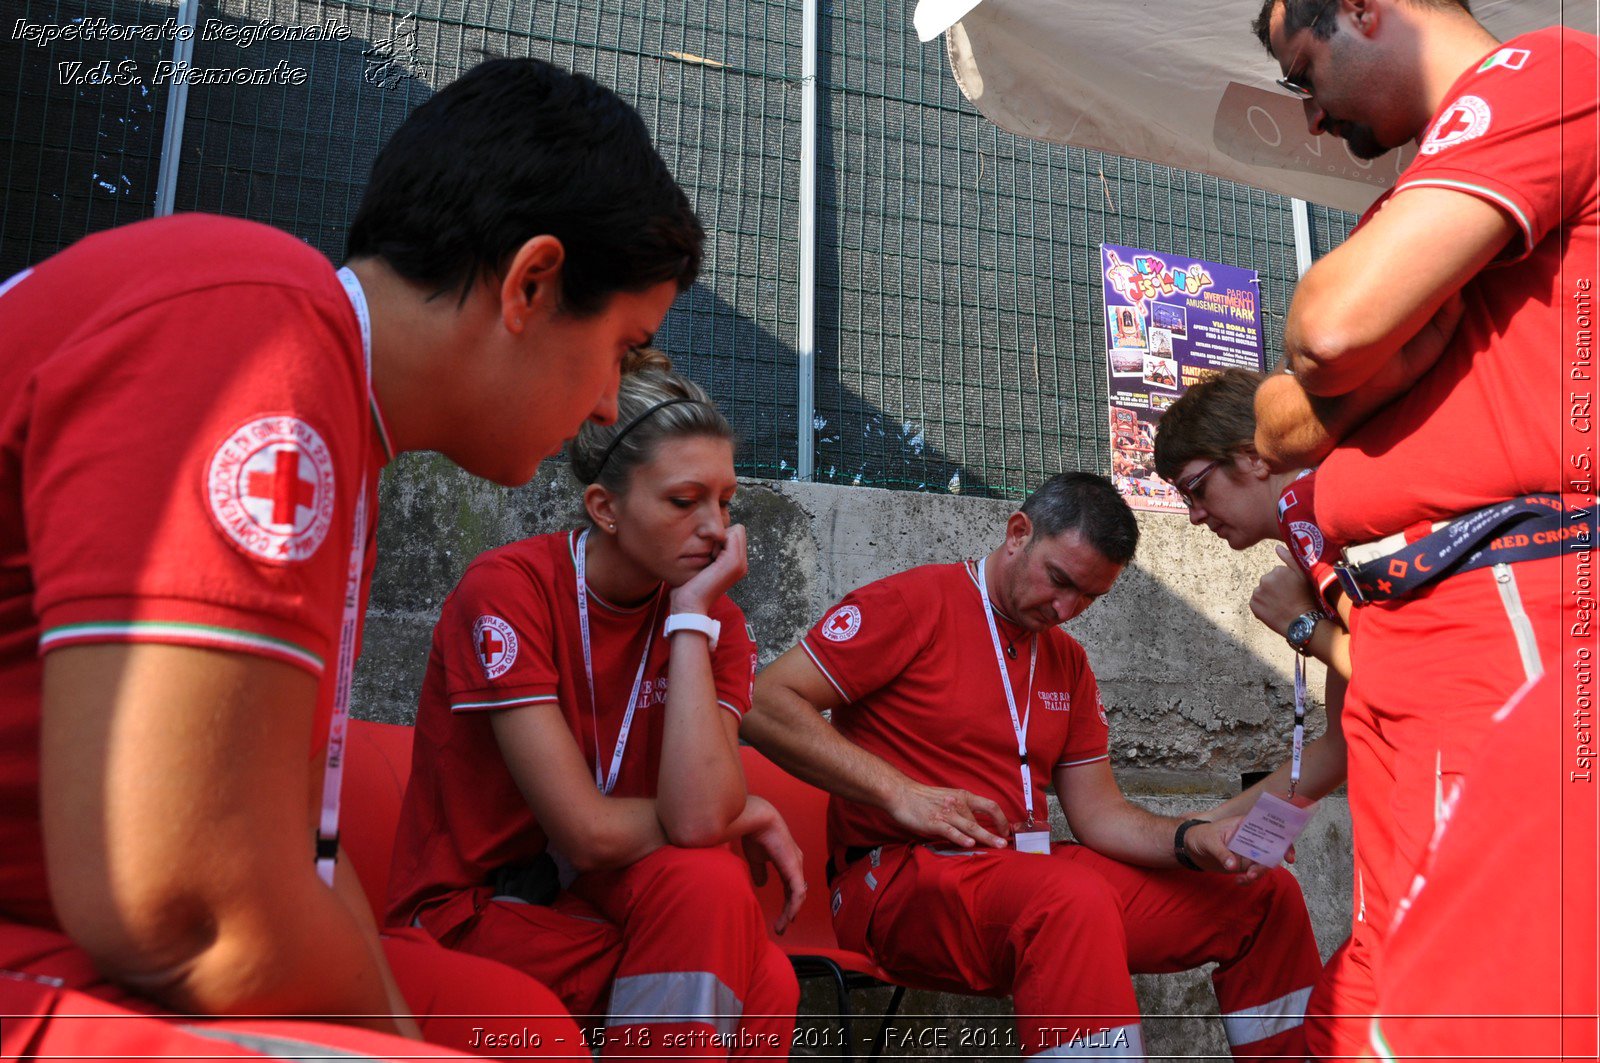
<point>1032,841</point>
<point>1270,828</point>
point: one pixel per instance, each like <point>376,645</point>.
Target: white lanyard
<point>345,665</point>
<point>1019,726</point>
<point>609,781</point>
<point>1299,721</point>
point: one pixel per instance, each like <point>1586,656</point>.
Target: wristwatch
<point>694,622</point>
<point>1177,844</point>
<point>1301,628</point>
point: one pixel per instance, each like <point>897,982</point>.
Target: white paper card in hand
<point>1032,841</point>
<point>1266,833</point>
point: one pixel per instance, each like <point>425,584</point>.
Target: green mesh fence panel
<point>296,155</point>
<point>960,325</point>
<point>961,318</point>
<point>78,151</point>
<point>711,87</point>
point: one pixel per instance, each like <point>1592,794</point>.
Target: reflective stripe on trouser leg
<point>674,996</point>
<point>1380,1045</point>
<point>273,1047</point>
<point>1118,1042</point>
<point>1248,1025</point>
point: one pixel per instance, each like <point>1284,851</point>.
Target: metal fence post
<point>177,107</point>
<point>806,328</point>
<point>1303,254</point>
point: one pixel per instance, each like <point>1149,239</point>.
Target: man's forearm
<point>1131,834</point>
<point>1296,430</point>
<point>798,739</point>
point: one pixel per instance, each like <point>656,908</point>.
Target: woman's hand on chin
<point>713,581</point>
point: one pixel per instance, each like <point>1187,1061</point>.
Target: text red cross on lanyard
<point>608,782</point>
<point>1019,724</point>
<point>283,485</point>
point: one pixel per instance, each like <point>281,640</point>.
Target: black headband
<point>620,436</point>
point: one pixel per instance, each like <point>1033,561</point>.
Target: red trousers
<point>1429,673</point>
<point>57,1006</point>
<point>1061,934</point>
<point>1347,993</point>
<point>673,949</point>
<point>1494,950</point>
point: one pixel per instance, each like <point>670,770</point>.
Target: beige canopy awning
<point>1183,83</point>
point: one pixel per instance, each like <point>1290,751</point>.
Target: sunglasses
<point>1295,84</point>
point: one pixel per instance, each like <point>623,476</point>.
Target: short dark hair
<point>1089,505</point>
<point>1298,14</point>
<point>1214,420</point>
<point>517,148</point>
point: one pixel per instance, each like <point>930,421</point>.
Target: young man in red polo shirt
<point>1453,448</point>
<point>956,700</point>
<point>197,410</point>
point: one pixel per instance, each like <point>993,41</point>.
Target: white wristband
<point>694,622</point>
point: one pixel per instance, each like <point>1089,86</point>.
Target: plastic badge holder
<point>1269,829</point>
<point>1032,841</point>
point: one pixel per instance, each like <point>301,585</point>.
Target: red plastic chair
<point>376,768</point>
<point>809,942</point>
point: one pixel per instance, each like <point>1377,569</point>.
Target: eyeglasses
<point>1296,85</point>
<point>1190,490</point>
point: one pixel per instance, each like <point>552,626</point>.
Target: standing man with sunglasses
<point>1431,373</point>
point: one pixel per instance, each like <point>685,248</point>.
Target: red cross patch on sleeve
<point>842,624</point>
<point>496,645</point>
<point>270,489</point>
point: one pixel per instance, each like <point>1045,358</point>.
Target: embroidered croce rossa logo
<point>270,489</point>
<point>1465,119</point>
<point>1307,539</point>
<point>495,643</point>
<point>842,624</point>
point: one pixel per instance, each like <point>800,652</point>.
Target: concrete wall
<point>1198,692</point>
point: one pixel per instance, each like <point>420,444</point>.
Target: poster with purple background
<point>1170,321</point>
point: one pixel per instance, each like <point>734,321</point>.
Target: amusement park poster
<point>1171,321</point>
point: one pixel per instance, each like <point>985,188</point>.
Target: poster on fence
<point>1170,321</point>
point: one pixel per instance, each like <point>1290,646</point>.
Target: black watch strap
<point>1177,844</point>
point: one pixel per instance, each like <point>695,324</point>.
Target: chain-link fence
<point>959,326</point>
